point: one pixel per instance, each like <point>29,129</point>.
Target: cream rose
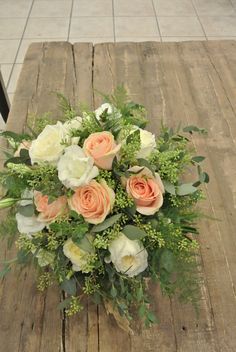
<point>145,189</point>
<point>48,147</point>
<point>103,148</point>
<point>70,125</point>
<point>48,212</point>
<point>75,169</point>
<point>29,225</point>
<point>147,142</point>
<point>77,256</point>
<point>129,257</point>
<point>94,201</point>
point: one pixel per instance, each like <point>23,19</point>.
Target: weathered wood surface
<point>192,82</point>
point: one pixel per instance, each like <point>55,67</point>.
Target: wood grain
<point>193,83</point>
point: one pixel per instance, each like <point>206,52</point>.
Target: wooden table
<point>192,82</point>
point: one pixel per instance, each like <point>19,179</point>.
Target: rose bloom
<point>48,212</point>
<point>103,148</point>
<point>93,201</point>
<point>75,169</point>
<point>145,189</point>
<point>77,256</point>
<point>129,257</point>
<point>110,110</point>
<point>47,146</point>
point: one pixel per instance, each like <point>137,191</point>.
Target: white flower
<point>148,143</point>
<point>75,168</point>
<point>26,197</point>
<point>129,257</point>
<point>48,145</point>
<point>110,109</point>
<point>77,256</point>
<point>147,139</point>
<point>70,125</point>
<point>29,225</point>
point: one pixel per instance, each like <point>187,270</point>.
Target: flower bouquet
<point>100,206</point>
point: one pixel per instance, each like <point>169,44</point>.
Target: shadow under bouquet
<point>99,205</point>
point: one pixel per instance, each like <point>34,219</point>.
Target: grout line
<point>199,19</point>
<point>158,27</point>
<point>113,17</point>
<point>27,19</point>
<point>71,11</point>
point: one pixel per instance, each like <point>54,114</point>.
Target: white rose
<point>48,146</point>
<point>129,257</point>
<point>148,143</point>
<point>29,225</point>
<point>77,256</point>
<point>75,168</point>
<point>110,109</point>
<point>73,124</point>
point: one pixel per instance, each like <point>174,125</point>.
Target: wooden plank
<point>133,66</point>
<point>30,321</point>
<point>177,82</point>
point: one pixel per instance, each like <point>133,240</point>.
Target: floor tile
<point>12,28</point>
<point>133,8</point>
<point>92,40</point>
<point>5,71</point>
<point>180,26</point>
<point>219,25</point>
<point>51,9</point>
<point>46,27</point>
<point>19,8</point>
<point>174,8</point>
<point>138,39</point>
<point>221,38</point>
<point>14,77</point>
<point>181,39</point>
<point>26,43</point>
<point>91,27</point>
<point>214,7</point>
<point>136,27</point>
<point>92,8</point>
<point>8,50</point>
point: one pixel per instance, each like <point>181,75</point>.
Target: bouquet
<point>99,205</point>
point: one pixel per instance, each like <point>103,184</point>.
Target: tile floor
<point>26,21</point>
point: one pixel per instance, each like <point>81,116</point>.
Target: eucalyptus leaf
<point>69,286</point>
<point>5,270</point>
<point>185,189</point>
<point>167,261</point>
<point>65,303</point>
<point>85,244</point>
<point>27,210</point>
<point>133,232</point>
<point>145,163</point>
<point>169,187</point>
<point>198,159</point>
<point>107,223</point>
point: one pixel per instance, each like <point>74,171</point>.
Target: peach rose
<point>103,148</point>
<point>49,211</point>
<point>93,201</point>
<point>145,189</point>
